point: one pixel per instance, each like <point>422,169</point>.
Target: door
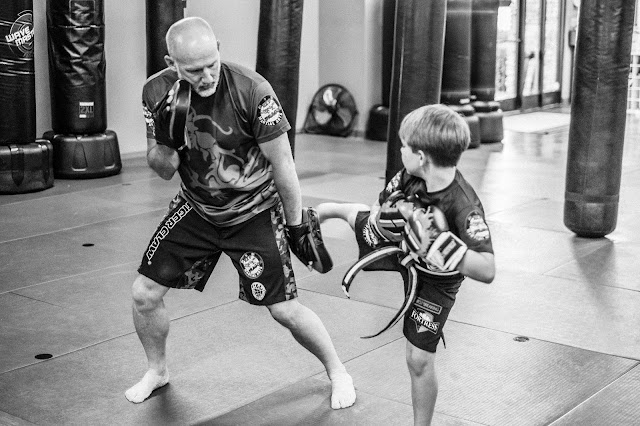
<point>553,50</point>
<point>529,53</point>
<point>508,55</point>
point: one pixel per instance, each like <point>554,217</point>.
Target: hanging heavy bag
<point>17,76</point>
<point>77,66</point>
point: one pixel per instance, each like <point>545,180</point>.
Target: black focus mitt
<point>170,116</point>
<point>305,241</point>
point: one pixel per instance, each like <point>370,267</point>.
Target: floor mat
<point>615,405</point>
<point>536,122</point>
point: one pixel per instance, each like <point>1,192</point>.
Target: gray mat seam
<point>52,196</point>
<point>345,298</point>
<point>637,360</point>
<point>584,401</point>
<point>36,300</point>
<point>22,421</point>
<point>110,339</point>
<point>72,276</point>
<point>341,297</point>
<point>265,395</point>
<point>112,219</point>
<point>242,405</point>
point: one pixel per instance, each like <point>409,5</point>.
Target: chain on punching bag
<point>417,66</point>
<point>598,116</point>
<point>278,57</point>
<point>77,66</point>
<point>17,76</point>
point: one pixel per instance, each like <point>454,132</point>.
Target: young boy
<point>433,139</point>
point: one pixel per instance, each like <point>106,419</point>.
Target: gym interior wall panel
<point>571,20</point>
<point>343,50</point>
<point>125,50</point>
<point>309,60</point>
<point>373,61</point>
<point>235,24</point>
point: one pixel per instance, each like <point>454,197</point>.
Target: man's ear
<point>170,62</point>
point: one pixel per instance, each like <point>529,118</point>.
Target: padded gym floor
<point>554,340</point>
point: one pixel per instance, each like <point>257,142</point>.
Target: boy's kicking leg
<point>344,211</point>
<point>424,384</point>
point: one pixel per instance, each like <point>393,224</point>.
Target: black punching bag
<point>25,162</point>
<point>161,14</point>
<point>456,66</point>
<point>484,38</point>
<point>77,66</point>
<point>388,32</point>
<point>598,116</point>
<point>417,66</point>
<point>278,57</point>
<point>17,76</point>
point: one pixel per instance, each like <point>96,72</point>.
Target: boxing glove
<point>170,116</point>
<point>389,222</point>
<point>427,234</point>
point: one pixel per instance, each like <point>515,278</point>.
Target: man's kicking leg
<point>307,328</point>
<point>151,320</point>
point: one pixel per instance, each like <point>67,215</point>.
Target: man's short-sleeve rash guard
<point>225,176</point>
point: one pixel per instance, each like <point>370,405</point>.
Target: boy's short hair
<point>438,131</point>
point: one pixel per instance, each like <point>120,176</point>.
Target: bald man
<point>239,191</point>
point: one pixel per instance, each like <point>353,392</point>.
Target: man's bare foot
<point>343,394</point>
<point>150,382</point>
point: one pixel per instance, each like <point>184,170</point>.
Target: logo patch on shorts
<point>422,315</point>
<point>429,306</point>
<point>477,228</point>
<point>258,290</point>
<point>369,236</point>
<point>252,265</point>
<point>269,111</point>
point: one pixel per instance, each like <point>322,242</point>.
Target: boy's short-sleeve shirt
<point>225,176</point>
<point>461,207</point>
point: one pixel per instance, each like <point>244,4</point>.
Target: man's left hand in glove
<point>170,116</point>
<point>305,242</point>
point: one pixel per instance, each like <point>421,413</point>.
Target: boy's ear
<point>423,157</point>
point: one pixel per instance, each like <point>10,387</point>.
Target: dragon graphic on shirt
<point>222,174</point>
